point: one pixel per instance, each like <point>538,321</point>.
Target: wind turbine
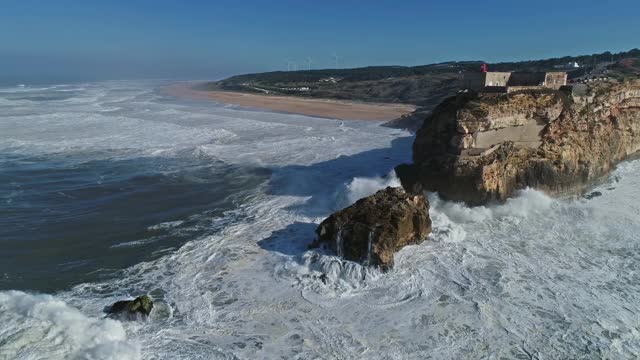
<point>288,64</point>
<point>309,61</point>
<point>335,59</point>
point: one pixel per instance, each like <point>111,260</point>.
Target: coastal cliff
<point>484,147</point>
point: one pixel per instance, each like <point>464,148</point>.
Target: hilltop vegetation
<point>626,68</point>
<point>373,84</point>
<point>417,85</point>
<point>425,86</point>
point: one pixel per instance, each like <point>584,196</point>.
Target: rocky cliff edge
<point>485,147</point>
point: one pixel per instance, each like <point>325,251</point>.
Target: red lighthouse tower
<point>483,68</point>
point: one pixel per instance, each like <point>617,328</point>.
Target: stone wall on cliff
<point>480,148</point>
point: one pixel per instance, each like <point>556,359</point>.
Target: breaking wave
<point>34,326</point>
<point>534,277</point>
<point>361,187</point>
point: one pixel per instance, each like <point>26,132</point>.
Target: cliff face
<point>479,148</point>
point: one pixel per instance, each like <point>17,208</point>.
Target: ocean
<point>110,190</point>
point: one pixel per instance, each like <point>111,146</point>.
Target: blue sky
<point>212,39</point>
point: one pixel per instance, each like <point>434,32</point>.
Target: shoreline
<point>321,108</point>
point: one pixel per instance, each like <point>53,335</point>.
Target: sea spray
<point>527,203</point>
<point>338,273</point>
<point>361,187</point>
<point>369,247</point>
<point>41,324</point>
<point>339,244</point>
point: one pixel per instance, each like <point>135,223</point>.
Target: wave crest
<point>58,330</point>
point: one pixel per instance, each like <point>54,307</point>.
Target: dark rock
<point>323,278</point>
<point>374,228</point>
<point>592,195</point>
<point>141,305</point>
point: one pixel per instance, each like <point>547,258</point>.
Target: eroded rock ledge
<point>374,228</point>
<point>480,148</point>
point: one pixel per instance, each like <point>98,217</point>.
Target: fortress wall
<point>497,78</point>
<point>555,79</point>
<point>519,88</point>
<point>527,135</point>
<point>473,81</point>
<point>527,79</point>
<point>508,82</point>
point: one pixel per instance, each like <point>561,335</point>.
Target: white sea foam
<point>532,278</point>
<point>361,187</point>
<point>37,326</point>
<point>527,203</point>
<point>166,225</point>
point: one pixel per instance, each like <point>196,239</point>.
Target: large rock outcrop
<point>374,228</point>
<point>480,148</point>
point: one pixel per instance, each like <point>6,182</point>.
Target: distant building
<point>304,88</point>
<point>330,80</point>
<point>569,65</point>
<point>492,81</point>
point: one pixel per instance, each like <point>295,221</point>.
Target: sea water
<point>110,190</point>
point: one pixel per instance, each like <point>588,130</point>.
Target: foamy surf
<point>38,326</point>
<point>535,277</point>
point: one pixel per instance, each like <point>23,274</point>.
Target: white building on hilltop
<point>569,65</point>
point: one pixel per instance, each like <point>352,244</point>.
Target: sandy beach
<point>333,109</point>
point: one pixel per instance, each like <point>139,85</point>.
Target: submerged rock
<point>131,308</point>
<point>481,148</point>
<point>592,195</point>
<point>374,228</point>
